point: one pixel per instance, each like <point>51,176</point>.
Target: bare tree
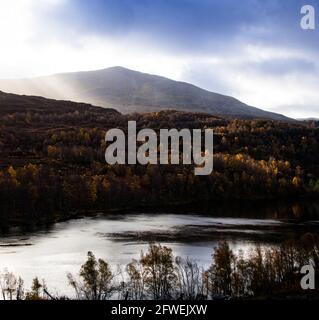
<point>190,280</point>
<point>20,289</point>
<point>8,285</point>
<point>136,286</point>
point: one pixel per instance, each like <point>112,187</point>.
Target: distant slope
<point>308,119</point>
<point>13,103</point>
<point>131,91</point>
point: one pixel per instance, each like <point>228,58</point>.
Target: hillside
<point>13,103</point>
<point>52,161</point>
<point>131,91</point>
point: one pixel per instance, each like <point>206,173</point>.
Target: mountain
<point>131,91</point>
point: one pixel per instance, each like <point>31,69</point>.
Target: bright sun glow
<point>34,44</point>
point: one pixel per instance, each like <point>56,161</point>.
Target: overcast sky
<point>253,50</point>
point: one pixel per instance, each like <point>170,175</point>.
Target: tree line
<point>52,162</point>
<point>158,274</point>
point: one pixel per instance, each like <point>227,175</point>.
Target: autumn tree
<point>96,280</point>
<point>159,272</point>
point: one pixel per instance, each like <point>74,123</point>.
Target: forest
<point>52,163</point>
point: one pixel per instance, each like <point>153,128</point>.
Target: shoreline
<point>291,206</point>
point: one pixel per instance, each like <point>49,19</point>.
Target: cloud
<point>252,49</point>
<point>267,77</point>
<point>22,23</point>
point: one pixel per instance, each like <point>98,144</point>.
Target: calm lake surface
<point>50,253</point>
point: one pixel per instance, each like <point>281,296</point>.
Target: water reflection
<point>51,252</point>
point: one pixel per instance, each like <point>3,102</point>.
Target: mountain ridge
<point>131,91</point>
